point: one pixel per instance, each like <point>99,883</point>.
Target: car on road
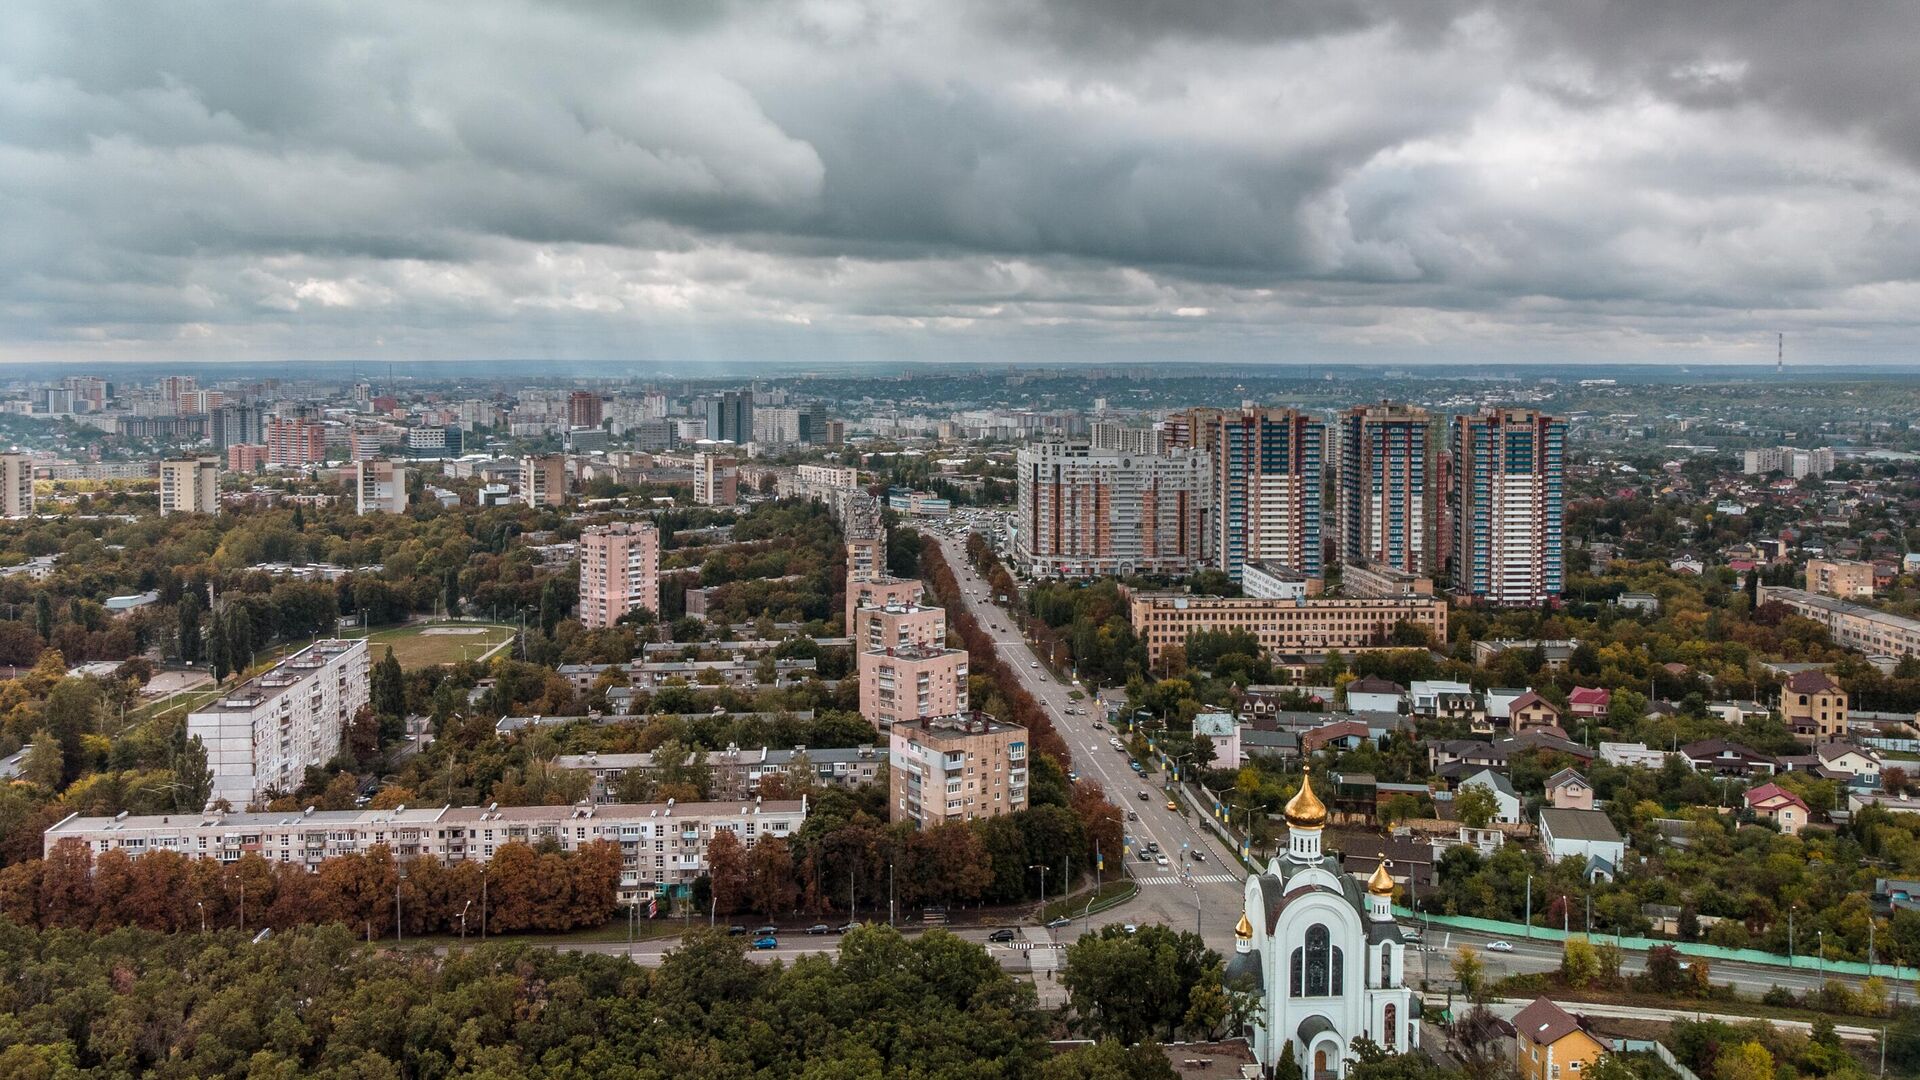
<point>1171,805</point>
<point>766,931</point>
<point>844,927</point>
<point>766,943</point>
<point>736,930</point>
<point>1145,855</point>
<point>1130,928</point>
<point>999,936</point>
<point>1144,796</point>
<point>1199,856</point>
<point>1056,924</point>
<point>1136,766</point>
<point>819,928</point>
<point>1161,859</point>
<point>1153,846</point>
<point>1500,946</point>
<point>1033,663</point>
<point>1073,774</point>
<point>1098,726</point>
<point>1133,815</point>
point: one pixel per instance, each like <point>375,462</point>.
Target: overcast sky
<point>1295,180</point>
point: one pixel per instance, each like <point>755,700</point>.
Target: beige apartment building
<point>1814,707</point>
<point>716,479</point>
<point>16,486</point>
<point>1310,624</point>
<point>663,846</point>
<point>619,571</point>
<point>955,768</point>
<point>878,592</point>
<point>896,626</point>
<point>1377,580</point>
<point>543,480</point>
<point>190,485</point>
<point>1845,578</point>
<point>912,683</point>
<point>379,486</point>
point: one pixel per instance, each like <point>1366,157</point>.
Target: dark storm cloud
<point>594,177</point>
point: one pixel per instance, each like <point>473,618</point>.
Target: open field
<point>431,644</point>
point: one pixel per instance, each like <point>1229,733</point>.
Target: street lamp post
<point>201,904</point>
<point>463,919</point>
<point>1043,887</point>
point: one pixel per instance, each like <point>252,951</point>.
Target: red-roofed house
<point>1549,1044</point>
<point>1589,703</point>
<point>1782,807</point>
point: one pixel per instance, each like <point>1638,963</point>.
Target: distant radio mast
<point>1780,355</point>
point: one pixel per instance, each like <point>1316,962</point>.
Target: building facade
<point>584,409</point>
<point>262,735</point>
<point>1323,954</point>
<point>1509,506</point>
<point>1385,495</point>
<point>895,626</point>
<point>543,480</point>
<point>729,417</point>
<point>1854,626</point>
<point>716,479</point>
<point>1312,624</point>
<point>16,486</point>
<point>379,486</point>
<point>877,592</point>
<point>1847,579</point>
<point>1082,511</point>
<point>912,683</point>
<point>1268,480</point>
<point>294,442</point>
<point>190,485</point>
<point>619,571</point>
<point>955,768</point>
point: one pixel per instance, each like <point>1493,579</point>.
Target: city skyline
<point>936,183</point>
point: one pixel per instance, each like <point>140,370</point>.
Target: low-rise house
<point>1531,712</point>
<point>1583,834</point>
<point>1638,602</point>
<point>1632,755</point>
<point>1370,693</point>
<point>1568,790</point>
<point>1505,798</point>
<point>1589,703</point>
<point>1549,1044</point>
<point>1423,696</point>
<point>1814,706</point>
<point>1724,757</point>
<point>1780,806</point>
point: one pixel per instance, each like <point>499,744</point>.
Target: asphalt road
<point>1187,892</point>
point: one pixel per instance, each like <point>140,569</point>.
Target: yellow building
<point>1549,1044</point>
<point>1814,707</point>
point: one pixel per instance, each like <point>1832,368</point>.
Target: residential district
<point>1407,726</point>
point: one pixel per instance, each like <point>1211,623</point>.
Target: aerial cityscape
<point>1081,540</point>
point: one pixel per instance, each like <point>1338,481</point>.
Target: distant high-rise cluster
<point>1378,494</point>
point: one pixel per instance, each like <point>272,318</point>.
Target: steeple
<point>1380,894</point>
<point>1306,816</point>
<point>1243,934</point>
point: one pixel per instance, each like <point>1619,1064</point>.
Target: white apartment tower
<point>16,486</point>
<point>190,485</point>
<point>263,734</point>
<point>380,486</point>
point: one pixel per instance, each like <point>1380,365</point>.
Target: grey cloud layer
<point>915,178</point>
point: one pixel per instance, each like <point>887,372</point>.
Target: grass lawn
<point>1111,893</point>
<point>432,644</point>
<point>174,705</point>
<point>615,931</point>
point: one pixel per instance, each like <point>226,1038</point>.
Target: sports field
<point>432,644</point>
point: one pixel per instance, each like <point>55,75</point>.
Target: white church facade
<point>1323,954</point>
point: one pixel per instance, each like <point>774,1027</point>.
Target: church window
<point>1386,965</point>
<point>1293,975</point>
<point>1322,963</point>
<point>1391,1027</point>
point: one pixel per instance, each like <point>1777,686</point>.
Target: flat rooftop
<point>285,675</point>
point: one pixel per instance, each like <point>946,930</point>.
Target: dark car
<point>1059,922</point>
<point>1145,855</point>
<point>736,930</point>
<point>766,931</point>
<point>1000,935</point>
<point>820,928</point>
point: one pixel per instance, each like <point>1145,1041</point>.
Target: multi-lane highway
<point>1186,890</point>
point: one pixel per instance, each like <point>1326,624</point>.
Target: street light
<point>463,919</point>
<point>1043,887</point>
<point>203,914</point>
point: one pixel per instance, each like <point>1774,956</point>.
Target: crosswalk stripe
<point>1175,879</point>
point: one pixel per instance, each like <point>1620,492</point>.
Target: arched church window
<point>1293,975</point>
<point>1323,976</point>
<point>1391,1027</point>
<point>1386,965</point>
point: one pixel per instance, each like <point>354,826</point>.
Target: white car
<point>1035,664</point>
<point>1162,860</point>
<point>1130,928</point>
<point>1500,946</point>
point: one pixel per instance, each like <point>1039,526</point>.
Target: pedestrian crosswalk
<point>1199,879</point>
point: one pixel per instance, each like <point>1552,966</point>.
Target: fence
<point>1497,928</point>
<point>1658,1050</point>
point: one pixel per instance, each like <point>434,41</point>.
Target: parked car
<point>1131,929</point>
<point>1059,922</point>
<point>1000,936</point>
<point>1500,946</point>
<point>766,931</point>
<point>1073,775</point>
<point>766,943</point>
<point>844,927</point>
<point>736,930</point>
<point>819,928</point>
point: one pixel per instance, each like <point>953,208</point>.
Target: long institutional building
<point>262,735</point>
<point>1283,625</point>
<point>1855,626</point>
<point>663,846</point>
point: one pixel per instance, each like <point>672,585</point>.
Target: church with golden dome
<point>1322,953</point>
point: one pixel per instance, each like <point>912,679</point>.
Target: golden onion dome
<point>1243,929</point>
<point>1381,883</point>
<point>1305,810</point>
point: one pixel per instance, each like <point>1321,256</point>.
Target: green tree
<point>43,615</point>
<point>192,649</point>
<point>450,591</point>
<point>1579,964</point>
<point>1744,1061</point>
<point>1288,1068</point>
<point>387,687</point>
<point>1475,805</point>
<point>45,764</point>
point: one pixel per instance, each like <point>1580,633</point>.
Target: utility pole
<point>890,905</point>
